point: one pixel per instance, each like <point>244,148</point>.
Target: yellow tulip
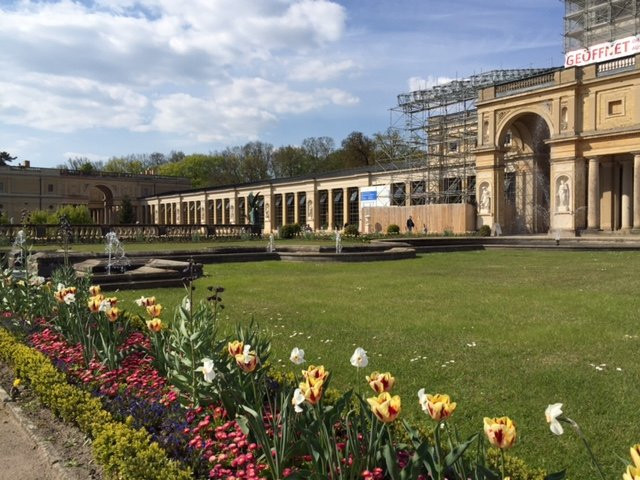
<point>501,432</point>
<point>94,290</point>
<point>154,310</point>
<point>635,455</point>
<point>94,304</point>
<point>440,406</point>
<point>385,407</point>
<point>381,382</point>
<point>315,374</point>
<point>247,361</point>
<point>16,383</point>
<point>155,325</point>
<point>632,473</point>
<point>312,393</point>
<point>113,314</point>
<point>235,348</point>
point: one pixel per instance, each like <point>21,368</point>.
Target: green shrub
<point>290,230</point>
<point>393,229</point>
<point>484,231</point>
<point>351,230</point>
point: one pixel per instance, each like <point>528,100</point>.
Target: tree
<point>392,147</point>
<point>291,161</point>
<point>5,157</point>
<point>358,150</point>
<point>126,215</point>
<point>256,161</point>
<point>318,149</point>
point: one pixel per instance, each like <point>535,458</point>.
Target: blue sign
<point>368,196</point>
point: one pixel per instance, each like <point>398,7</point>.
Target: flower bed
<point>154,389</point>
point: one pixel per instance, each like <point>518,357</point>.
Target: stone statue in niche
<point>310,208</point>
<point>485,199</point>
<point>266,210</point>
<point>563,195</point>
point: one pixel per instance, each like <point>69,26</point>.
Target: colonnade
<point>613,194</point>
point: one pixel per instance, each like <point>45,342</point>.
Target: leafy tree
<point>126,215</point>
<point>5,157</point>
<point>357,150</point>
<point>392,147</point>
<point>256,161</point>
<point>291,161</point>
<point>319,149</point>
<point>76,214</point>
<point>125,165</point>
<point>200,168</point>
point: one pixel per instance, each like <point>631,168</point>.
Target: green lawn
<point>505,332</point>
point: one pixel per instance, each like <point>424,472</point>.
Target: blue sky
<point>113,77</point>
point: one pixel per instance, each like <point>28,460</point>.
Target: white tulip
<point>297,356</point>
<point>207,370</point>
<point>359,358</point>
<point>297,400</point>
<point>552,413</point>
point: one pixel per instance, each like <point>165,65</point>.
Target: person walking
<point>410,224</point>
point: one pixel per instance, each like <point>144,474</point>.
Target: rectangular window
<point>50,188</point>
<point>302,208</point>
<point>510,187</point>
<point>452,190</point>
<point>1,187</point>
<point>338,208</point>
<point>290,215</point>
<point>418,194</point>
<point>323,208</point>
<point>354,206</point>
<point>471,190</point>
<point>242,218</point>
<point>398,194</point>
<point>277,210</point>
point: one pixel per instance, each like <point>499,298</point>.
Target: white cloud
<point>206,69</point>
<point>321,71</point>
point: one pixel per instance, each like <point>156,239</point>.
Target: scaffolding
<point>439,126</point>
<point>591,22</point>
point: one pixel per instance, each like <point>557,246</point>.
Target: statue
<point>485,199</point>
<point>310,208</point>
<point>563,195</point>
<point>253,204</point>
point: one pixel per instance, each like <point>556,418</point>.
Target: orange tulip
<point>94,290</point>
<point>501,432</point>
<point>312,393</point>
<point>154,310</point>
<point>94,304</point>
<point>315,374</point>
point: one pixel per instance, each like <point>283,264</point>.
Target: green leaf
<point>390,460</point>
<point>458,450</point>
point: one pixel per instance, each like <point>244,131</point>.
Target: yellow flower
<point>312,393</point>
<point>315,374</point>
<point>632,473</point>
<point>385,407</point>
<point>635,454</point>
<point>438,406</point>
<point>113,314</point>
<point>94,304</point>
<point>113,301</point>
<point>20,283</point>
<point>59,295</point>
<point>94,290</point>
<point>247,360</point>
<point>235,348</point>
<point>381,382</point>
<point>155,325</point>
<point>16,383</point>
<point>154,310</point>
<point>501,432</point>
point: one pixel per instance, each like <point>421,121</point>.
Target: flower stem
<point>586,444</point>
<point>502,463</point>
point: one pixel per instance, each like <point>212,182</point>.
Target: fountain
<point>18,256</point>
<point>271,247</point>
<point>115,252</point>
<point>338,242</point>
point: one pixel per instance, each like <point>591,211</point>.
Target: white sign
<point>376,196</point>
<point>603,52</point>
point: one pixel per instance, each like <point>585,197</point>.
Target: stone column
<point>636,191</point>
<point>296,208</point>
<point>593,199</point>
<point>627,189</point>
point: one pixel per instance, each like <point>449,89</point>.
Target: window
<point>453,146</point>
<point>241,214</point>
<point>471,190</point>
<point>50,188</point>
<point>453,193</point>
<point>510,187</point>
<point>508,138</point>
<point>302,208</point>
<point>1,187</point>
<point>418,196</point>
<point>615,108</point>
<point>338,208</point>
<point>277,210</point>
<point>398,194</point>
<point>290,216</point>
<point>354,206</point>
<point>323,208</point>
